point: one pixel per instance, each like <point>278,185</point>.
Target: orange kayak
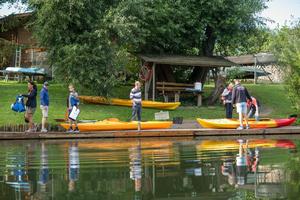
<point>234,123</point>
<point>128,102</point>
<point>115,124</point>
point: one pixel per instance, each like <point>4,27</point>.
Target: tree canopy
<point>85,37</point>
<point>285,45</point>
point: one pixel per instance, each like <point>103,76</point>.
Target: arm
<point>247,95</point>
<point>31,94</point>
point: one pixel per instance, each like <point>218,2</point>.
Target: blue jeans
<point>136,111</point>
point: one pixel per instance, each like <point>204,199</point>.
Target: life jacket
<point>18,106</point>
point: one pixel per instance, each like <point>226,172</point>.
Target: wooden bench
<point>167,88</point>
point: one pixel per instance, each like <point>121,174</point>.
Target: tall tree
<point>286,46</point>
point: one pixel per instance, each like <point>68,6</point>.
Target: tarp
<point>27,71</point>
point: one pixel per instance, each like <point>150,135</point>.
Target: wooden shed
<point>161,64</point>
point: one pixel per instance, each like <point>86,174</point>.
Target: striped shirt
<point>136,96</point>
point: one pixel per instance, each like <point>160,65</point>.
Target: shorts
<point>30,110</point>
<point>45,110</point>
<point>241,108</point>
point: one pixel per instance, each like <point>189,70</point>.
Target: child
<point>136,97</point>
<point>72,101</point>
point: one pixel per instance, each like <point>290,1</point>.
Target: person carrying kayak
<point>254,108</point>
<point>239,98</point>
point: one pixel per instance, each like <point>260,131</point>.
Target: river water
<point>156,168</point>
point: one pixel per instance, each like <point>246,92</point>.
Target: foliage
<point>6,52</point>
<point>257,40</point>
<point>79,48</point>
<point>181,27</point>
<point>285,46</point>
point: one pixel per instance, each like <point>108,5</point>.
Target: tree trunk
<point>199,74</point>
<point>220,84</point>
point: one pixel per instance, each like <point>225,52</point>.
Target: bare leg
<point>44,121</point>
<point>241,119</point>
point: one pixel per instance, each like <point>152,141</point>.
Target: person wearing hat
<point>44,98</point>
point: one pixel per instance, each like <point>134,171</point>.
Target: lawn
<point>272,98</point>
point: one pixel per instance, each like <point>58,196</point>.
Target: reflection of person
<point>44,169</point>
<point>73,165</point>
<point>239,97</point>
<point>253,108</point>
<point>135,156</point>
<point>246,161</point>
<point>227,100</point>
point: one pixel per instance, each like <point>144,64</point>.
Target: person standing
<point>30,105</point>
<point>227,100</point>
<point>136,97</point>
<point>239,98</point>
<point>73,101</point>
<point>44,101</point>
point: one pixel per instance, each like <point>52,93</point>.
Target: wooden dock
<point>291,130</point>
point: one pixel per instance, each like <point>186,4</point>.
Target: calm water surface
<point>150,169</point>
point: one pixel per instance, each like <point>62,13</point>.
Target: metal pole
<point>255,65</point>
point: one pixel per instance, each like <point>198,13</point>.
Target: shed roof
<point>201,61</point>
<point>261,59</point>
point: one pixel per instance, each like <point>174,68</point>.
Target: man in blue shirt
<point>44,97</point>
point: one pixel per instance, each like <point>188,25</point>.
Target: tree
<point>191,27</point>
<point>285,45</point>
<point>79,47</point>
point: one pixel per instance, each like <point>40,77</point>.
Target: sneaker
<point>76,130</point>
<point>44,130</point>
<point>30,131</point>
<point>247,127</point>
<point>240,128</point>
<point>70,130</point>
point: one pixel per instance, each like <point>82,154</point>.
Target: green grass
<point>272,97</point>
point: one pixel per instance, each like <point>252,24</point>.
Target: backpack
<point>18,106</point>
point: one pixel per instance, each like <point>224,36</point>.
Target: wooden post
<point>255,75</point>
<point>199,99</point>
<point>153,82</point>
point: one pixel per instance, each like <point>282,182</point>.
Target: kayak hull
<point>128,102</point>
<point>234,123</point>
<point>108,125</point>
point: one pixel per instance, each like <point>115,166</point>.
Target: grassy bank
<point>272,98</point>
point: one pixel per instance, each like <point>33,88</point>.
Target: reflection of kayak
<point>234,123</point>
<point>210,145</point>
<point>128,102</point>
<point>115,124</point>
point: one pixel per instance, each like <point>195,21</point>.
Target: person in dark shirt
<point>44,100</point>
<point>30,105</point>
<point>239,98</point>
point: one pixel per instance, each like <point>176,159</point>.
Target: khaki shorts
<point>30,110</point>
<point>45,110</point>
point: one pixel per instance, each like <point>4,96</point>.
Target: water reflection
<point>145,169</point>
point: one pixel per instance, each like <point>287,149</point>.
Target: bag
<point>18,106</point>
<point>74,101</point>
<point>74,113</point>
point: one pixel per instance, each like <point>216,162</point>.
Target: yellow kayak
<point>115,124</point>
<point>234,123</point>
<point>128,102</point>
